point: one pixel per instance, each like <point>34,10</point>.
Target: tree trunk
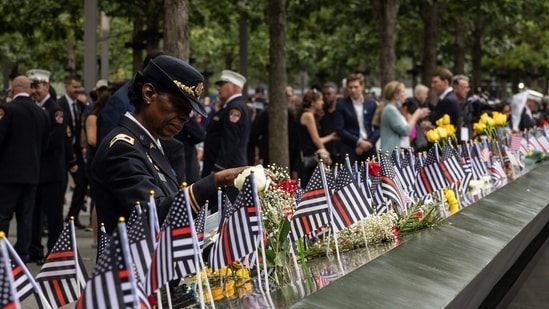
<point>243,46</point>
<point>459,46</point>
<point>176,28</point>
<point>476,52</point>
<point>153,19</point>
<point>429,16</point>
<point>388,12</point>
<point>137,60</point>
<point>278,106</point>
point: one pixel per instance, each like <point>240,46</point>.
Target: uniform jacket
<point>127,166</point>
<point>53,168</point>
<point>227,137</point>
<point>346,124</point>
<point>23,138</point>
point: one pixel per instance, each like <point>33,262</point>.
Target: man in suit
<point>353,121</point>
<point>23,137</point>
<point>74,152</point>
<point>53,173</point>
<point>447,101</point>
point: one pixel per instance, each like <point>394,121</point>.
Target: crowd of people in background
<point>328,122</point>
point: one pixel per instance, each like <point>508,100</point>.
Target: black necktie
<point>75,111</point>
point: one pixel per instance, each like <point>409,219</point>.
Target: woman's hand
<point>325,156</point>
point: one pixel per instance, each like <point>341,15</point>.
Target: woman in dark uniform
<point>130,162</point>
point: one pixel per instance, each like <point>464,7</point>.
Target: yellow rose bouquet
<point>443,133</point>
<point>489,125</point>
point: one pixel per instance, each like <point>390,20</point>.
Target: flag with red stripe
<point>312,211</point>
<point>239,233</point>
<point>176,245</point>
<point>349,202</point>
<point>8,294</point>
<point>389,183</point>
<point>63,276</point>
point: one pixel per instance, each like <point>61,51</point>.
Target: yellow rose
<point>484,118</point>
<point>479,127</point>
<point>499,119</point>
<point>432,136</point>
<point>442,133</point>
<point>450,130</point>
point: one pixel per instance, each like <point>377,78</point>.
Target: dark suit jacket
<point>53,168</point>
<point>23,138</point>
<point>227,137</point>
<point>346,124</point>
<point>73,133</point>
<point>127,165</point>
<point>448,105</point>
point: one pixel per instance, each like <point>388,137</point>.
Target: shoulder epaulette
<point>122,137</point>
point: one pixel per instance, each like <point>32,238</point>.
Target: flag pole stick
<point>261,238</point>
<point>196,250</point>
<point>126,255</point>
<point>169,296</point>
<point>331,207</point>
<point>159,299</point>
<point>365,240</point>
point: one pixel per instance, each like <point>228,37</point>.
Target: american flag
<point>477,166</point>
<point>25,285</point>
<point>200,224</point>
<point>497,173</point>
<point>533,142</point>
<point>350,204</point>
<point>104,289</point>
<point>8,294</point>
<point>429,178</point>
<point>176,245</point>
<point>141,244</point>
<point>389,183</point>
<point>312,211</point>
<point>514,142</point>
<point>133,294</point>
<point>63,276</point>
<point>451,167</point>
<point>239,234</point>
<point>542,140</point>
<point>105,240</point>
<point>404,168</point>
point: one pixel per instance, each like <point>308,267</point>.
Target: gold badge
<point>2,113</point>
<point>69,132</point>
<point>122,137</point>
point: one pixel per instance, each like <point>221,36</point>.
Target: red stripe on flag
<point>59,293</point>
<point>17,270</point>
<point>62,254</point>
<point>425,180</point>
<point>226,246</point>
<point>185,230</point>
<point>343,212</point>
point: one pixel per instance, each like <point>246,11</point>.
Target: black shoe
<point>39,260</point>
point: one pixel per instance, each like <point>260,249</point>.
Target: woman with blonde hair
<point>394,127</point>
<point>311,145</point>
